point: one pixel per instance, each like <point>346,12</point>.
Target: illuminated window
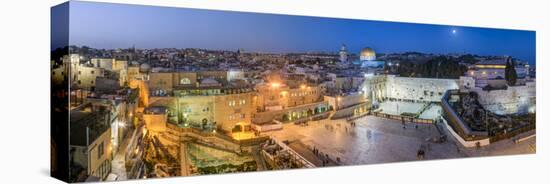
<point>185,81</point>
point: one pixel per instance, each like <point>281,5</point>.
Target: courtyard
<point>372,140</point>
<point>378,140</point>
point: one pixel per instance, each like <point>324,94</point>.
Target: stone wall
<point>465,143</point>
<point>508,100</point>
<point>515,99</point>
<point>409,88</point>
<point>418,89</point>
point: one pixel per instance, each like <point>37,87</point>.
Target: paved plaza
<point>372,140</point>
<point>506,147</point>
<point>378,140</point>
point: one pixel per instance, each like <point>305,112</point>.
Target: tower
<point>343,53</point>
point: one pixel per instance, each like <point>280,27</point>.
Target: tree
<point>437,67</point>
<point>468,58</point>
<point>510,72</point>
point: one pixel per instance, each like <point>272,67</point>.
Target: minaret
<point>343,54</point>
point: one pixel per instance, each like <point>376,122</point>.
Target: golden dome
<point>367,54</point>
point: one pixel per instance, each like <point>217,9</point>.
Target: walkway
<point>118,164</point>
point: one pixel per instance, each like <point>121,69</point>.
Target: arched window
<point>185,81</point>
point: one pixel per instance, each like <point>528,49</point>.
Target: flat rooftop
<point>86,125</point>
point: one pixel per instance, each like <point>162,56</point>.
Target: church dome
<point>367,54</point>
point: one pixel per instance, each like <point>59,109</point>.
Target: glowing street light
<point>275,84</point>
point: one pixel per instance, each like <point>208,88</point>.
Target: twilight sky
<point>105,25</point>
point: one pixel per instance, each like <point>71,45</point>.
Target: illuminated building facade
<point>90,143</point>
<point>278,96</point>
<point>494,69</point>
<point>217,107</point>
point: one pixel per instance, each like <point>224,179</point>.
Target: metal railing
<point>406,118</point>
<point>293,153</point>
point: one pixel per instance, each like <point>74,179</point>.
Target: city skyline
<point>296,98</point>
<point>225,30</point>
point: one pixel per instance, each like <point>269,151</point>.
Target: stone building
<point>90,143</point>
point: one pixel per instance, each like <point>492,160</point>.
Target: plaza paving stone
<point>378,140</point>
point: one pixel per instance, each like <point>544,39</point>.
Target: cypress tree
<point>510,72</point>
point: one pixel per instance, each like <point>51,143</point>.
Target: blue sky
<point>105,25</point>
